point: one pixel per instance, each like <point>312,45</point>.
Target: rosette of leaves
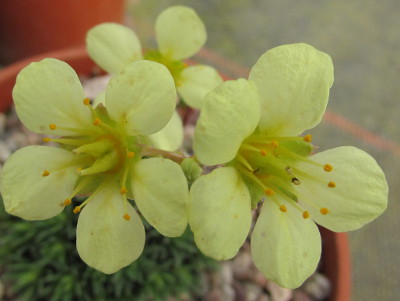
<point>39,261</point>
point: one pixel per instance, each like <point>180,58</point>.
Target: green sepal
<point>256,192</point>
<point>191,169</point>
<point>299,147</point>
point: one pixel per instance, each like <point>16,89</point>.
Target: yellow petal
<point>105,240</point>
<point>30,195</point>
<point>196,82</point>
<point>230,114</point>
<point>49,92</point>
<point>170,137</point>
<point>161,192</point>
<point>220,213</point>
<point>180,32</point>
<point>285,247</point>
<point>142,98</point>
<point>293,82</point>
<point>359,193</point>
<point>112,46</point>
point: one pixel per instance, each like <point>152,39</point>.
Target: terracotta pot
<point>335,261</point>
<point>30,27</point>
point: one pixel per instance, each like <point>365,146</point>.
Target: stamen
<point>245,163</point>
<point>77,209</point>
<point>127,216</point>
<point>105,163</point>
<point>45,173</point>
<point>283,208</point>
<point>307,138</point>
<point>67,202</point>
<point>269,192</point>
<point>96,149</point>
<point>52,126</point>
<point>96,122</point>
<point>130,154</point>
<point>332,184</point>
<point>274,144</point>
<point>123,190</point>
<point>68,141</point>
<point>306,214</point>
<point>324,211</point>
<point>86,101</point>
<point>328,167</point>
<point>263,152</point>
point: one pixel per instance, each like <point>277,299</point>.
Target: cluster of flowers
<point>126,147</point>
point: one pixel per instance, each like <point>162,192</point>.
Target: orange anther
<point>52,126</point>
<point>97,121</point>
<point>306,214</point>
<point>307,138</point>
<point>46,139</point>
<point>332,184</point>
<point>283,208</point>
<point>123,190</point>
<point>263,152</point>
<point>127,216</point>
<point>269,192</point>
<point>86,101</point>
<point>324,211</point>
<point>328,167</point>
<point>45,173</point>
<point>130,154</point>
<point>77,209</point>
<point>67,202</point>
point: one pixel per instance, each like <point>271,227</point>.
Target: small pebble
<point>279,293</point>
<point>317,286</point>
<point>253,291</point>
<point>299,295</point>
<point>242,266</point>
<point>4,152</point>
<point>260,280</point>
<point>264,297</point>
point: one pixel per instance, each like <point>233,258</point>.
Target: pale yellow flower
<point>102,155</point>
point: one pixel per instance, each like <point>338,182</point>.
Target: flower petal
<point>142,98</point>
<point>112,46</point>
<point>230,113</point>
<point>293,82</point>
<point>49,92</point>
<point>30,195</point>
<point>196,82</point>
<point>104,239</point>
<point>360,193</point>
<point>285,247</point>
<point>161,192</point>
<point>170,137</point>
<point>180,33</point>
<point>220,213</point>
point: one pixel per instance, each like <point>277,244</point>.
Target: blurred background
<point>363,39</point>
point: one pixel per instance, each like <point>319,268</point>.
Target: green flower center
<point>270,165</point>
<point>102,152</point>
<point>175,67</point>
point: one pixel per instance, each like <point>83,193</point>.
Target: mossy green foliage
<point>39,261</point>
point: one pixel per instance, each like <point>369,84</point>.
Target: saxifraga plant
<point>39,261</point>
